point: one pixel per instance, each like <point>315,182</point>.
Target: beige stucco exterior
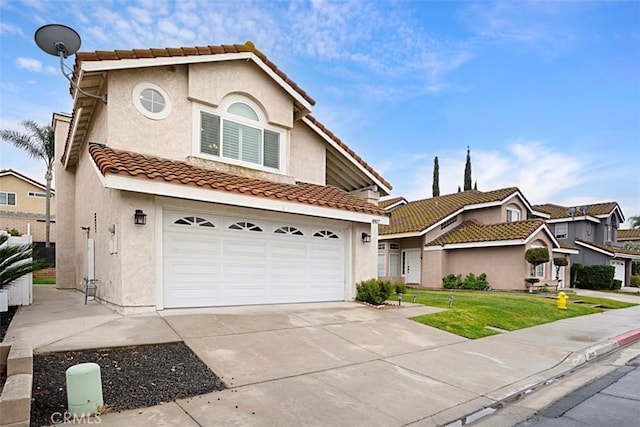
<point>505,266</point>
<point>128,257</point>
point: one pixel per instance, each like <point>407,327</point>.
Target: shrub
<point>617,284</point>
<point>560,261</point>
<point>635,281</point>
<point>452,281</point>
<point>476,283</point>
<point>373,291</point>
<point>400,288</point>
<point>537,256</point>
<point>575,270</point>
<point>596,277</point>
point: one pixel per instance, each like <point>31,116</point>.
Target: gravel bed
<point>132,377</point>
<point>5,320</point>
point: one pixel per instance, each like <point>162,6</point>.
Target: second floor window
<point>7,198</point>
<point>513,214</point>
<point>561,231</point>
<point>238,135</point>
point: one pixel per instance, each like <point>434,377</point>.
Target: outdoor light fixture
<point>366,238</point>
<point>139,218</point>
<point>62,41</point>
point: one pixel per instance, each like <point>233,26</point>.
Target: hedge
<point>596,277</point>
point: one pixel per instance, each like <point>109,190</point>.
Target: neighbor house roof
<point>417,216</point>
<point>7,172</point>
<point>474,232</point>
<point>629,234</point>
<point>609,250</point>
<point>125,163</point>
<point>393,202</point>
<point>597,210</point>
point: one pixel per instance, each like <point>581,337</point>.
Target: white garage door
<point>620,273</point>
<point>219,260</point>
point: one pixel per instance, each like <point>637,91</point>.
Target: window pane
<point>3,198</point>
<point>271,149</point>
<point>231,140</point>
<point>152,100</point>
<point>251,142</point>
<point>394,260</point>
<point>243,110</point>
<point>12,199</point>
<point>381,262</point>
<point>210,134</point>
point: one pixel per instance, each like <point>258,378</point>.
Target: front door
<point>411,266</point>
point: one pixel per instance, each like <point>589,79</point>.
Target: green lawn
<point>44,281</point>
<point>474,310</point>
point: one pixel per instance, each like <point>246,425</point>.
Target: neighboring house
<point>594,230</point>
<point>205,181</point>
<point>22,205</point>
<point>467,232</point>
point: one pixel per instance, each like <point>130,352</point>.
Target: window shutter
<point>251,142</point>
<point>271,149</point>
<point>209,134</point>
<point>231,140</point>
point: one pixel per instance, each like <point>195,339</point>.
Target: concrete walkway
<point>328,364</point>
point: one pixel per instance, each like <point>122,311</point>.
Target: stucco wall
<point>65,203</point>
<point>307,155</point>
<point>505,266</point>
<point>434,266</point>
<point>24,202</point>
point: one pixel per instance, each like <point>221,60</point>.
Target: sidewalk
<point>329,364</point>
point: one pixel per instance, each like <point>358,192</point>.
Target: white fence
<point>21,291</point>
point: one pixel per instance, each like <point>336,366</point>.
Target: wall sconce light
<point>139,218</point>
<point>366,238</point>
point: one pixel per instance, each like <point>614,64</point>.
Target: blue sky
<point>546,94</point>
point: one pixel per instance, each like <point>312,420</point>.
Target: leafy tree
<point>635,221</point>
<point>436,177</point>
<point>39,143</point>
<point>559,262</point>
<point>536,256</point>
<point>467,171</point>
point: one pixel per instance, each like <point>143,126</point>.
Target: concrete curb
<point>628,338</point>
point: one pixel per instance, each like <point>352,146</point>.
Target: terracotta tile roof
<point>421,214</point>
<point>186,51</point>
<point>629,234</point>
<point>119,162</point>
<point>557,211</point>
<point>385,203</point>
<point>608,248</point>
<point>346,148</point>
<point>474,231</point>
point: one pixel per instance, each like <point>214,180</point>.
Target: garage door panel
<point>239,266</point>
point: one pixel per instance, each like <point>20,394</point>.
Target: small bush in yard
<point>596,277</point>
<point>635,280</point>
<point>452,281</point>
<point>617,284</point>
<point>400,288</point>
<point>475,283</point>
<point>373,291</point>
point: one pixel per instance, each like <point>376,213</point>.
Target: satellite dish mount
<point>62,41</point>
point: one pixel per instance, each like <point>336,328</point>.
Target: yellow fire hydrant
<point>562,301</point>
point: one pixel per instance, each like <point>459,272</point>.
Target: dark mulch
<point>132,377</point>
<point>5,320</point>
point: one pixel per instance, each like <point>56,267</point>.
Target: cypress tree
<point>459,190</point>
<point>436,177</point>
<point>467,171</point>
<point>475,185</point>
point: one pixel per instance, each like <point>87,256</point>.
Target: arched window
<point>513,213</point>
<point>239,133</point>
<point>243,225</point>
<point>287,230</point>
<point>194,221</point>
<point>327,234</point>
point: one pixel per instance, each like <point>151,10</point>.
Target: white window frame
<point>6,195</point>
<point>262,125</point>
<point>384,264</point>
<point>511,211</point>
<point>539,270</point>
<point>558,234</point>
<point>137,92</point>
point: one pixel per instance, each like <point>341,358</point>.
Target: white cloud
<point>10,29</point>
<point>29,64</point>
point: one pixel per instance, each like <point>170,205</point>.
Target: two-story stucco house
<point>205,181</point>
<point>594,230</point>
<point>467,232</point>
<point>22,205</point>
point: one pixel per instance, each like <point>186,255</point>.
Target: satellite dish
<point>571,211</point>
<point>583,210</point>
<point>56,39</point>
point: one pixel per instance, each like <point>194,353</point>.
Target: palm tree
<point>16,261</point>
<point>39,143</point>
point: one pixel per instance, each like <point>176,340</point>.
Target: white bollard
<point>84,389</point>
